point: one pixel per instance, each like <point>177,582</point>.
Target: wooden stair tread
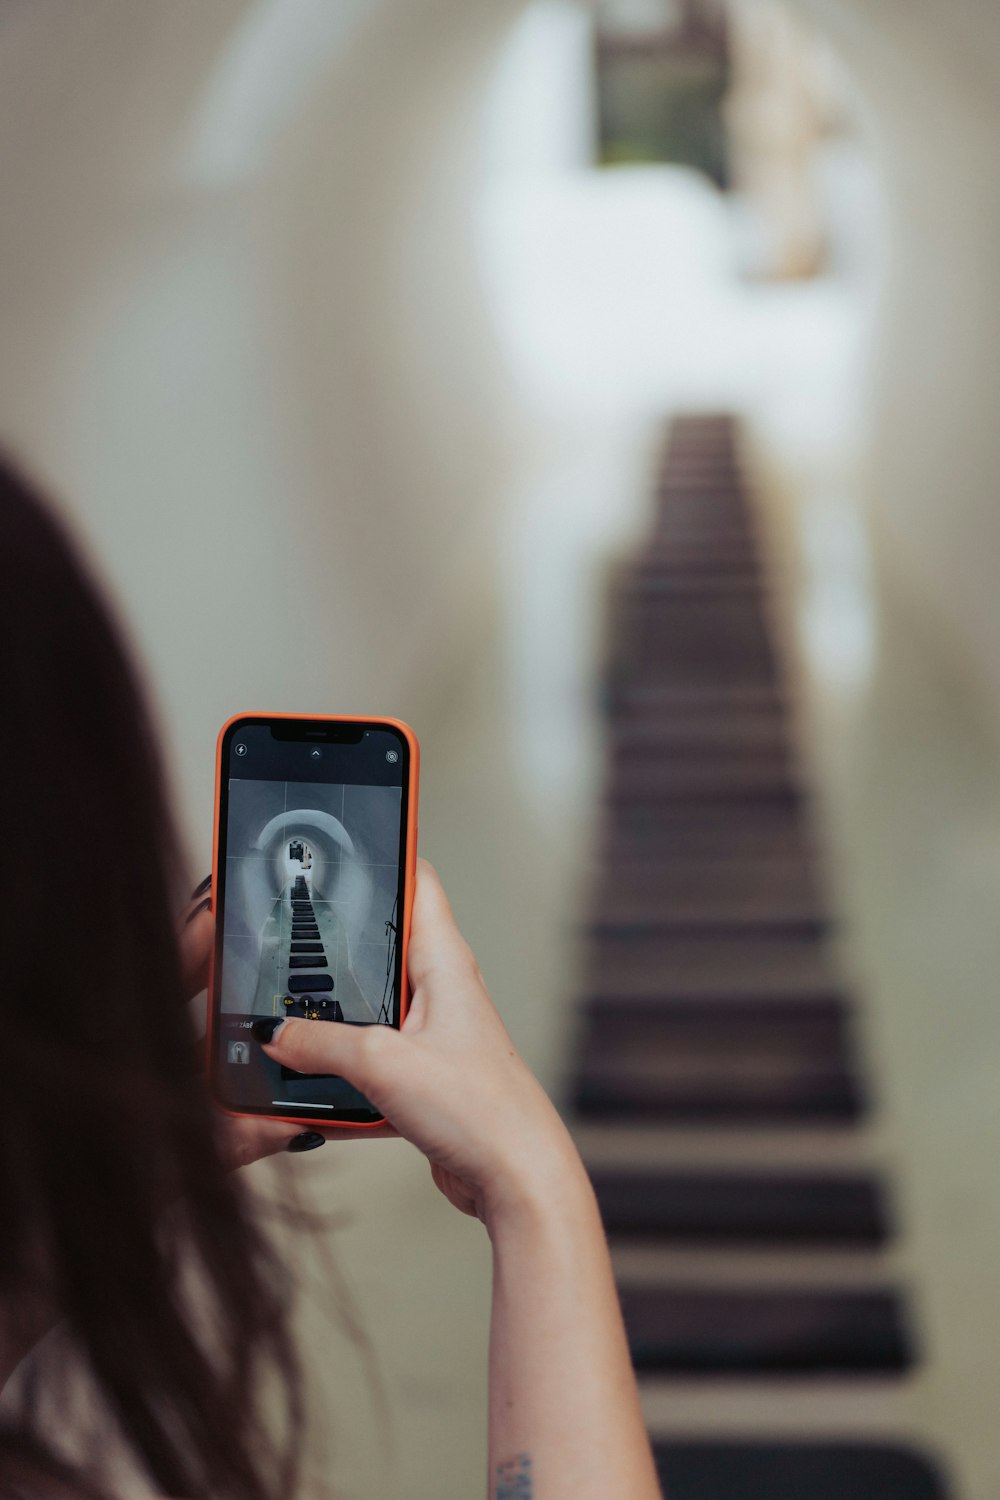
<point>754,1207</point>
<point>794,1095</point>
<point>772,1470</point>
<point>712,893</point>
<point>755,732</point>
<point>630,912</point>
<point>645,835</point>
<point>720,1332</point>
<point>701,920</point>
<point>713,1044</point>
<point>736,876</point>
<point>758,778</point>
<point>799,1024</point>
<point>663,697</point>
<point>772,824</point>
<point>745,963</point>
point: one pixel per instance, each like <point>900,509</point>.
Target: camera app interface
<point>311,901</point>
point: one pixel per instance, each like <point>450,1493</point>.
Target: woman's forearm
<point>565,1422</point>
<point>564,1413</point>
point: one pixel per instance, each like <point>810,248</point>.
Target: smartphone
<point>315,859</point>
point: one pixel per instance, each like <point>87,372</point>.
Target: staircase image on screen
<point>311,890</point>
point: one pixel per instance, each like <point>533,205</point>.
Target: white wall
<point>915,770</point>
<point>241,333</point>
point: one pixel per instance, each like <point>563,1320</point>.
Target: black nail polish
<point>307,1141</point>
<point>205,905</point>
<point>203,885</point>
<point>263,1031</point>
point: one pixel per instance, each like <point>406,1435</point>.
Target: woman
<point>116,1194</point>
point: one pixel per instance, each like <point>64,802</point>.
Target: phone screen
<point>311,871</point>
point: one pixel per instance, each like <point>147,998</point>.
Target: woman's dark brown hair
<point>114,1202</point>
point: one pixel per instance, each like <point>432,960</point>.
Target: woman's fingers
<point>197,933</point>
<point>384,1132</point>
<point>364,1055</point>
<point>196,938</point>
<point>243,1141</point>
<point>437,948</point>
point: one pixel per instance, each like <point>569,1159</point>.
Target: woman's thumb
<point>358,1053</point>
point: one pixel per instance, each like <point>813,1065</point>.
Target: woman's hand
<point>563,1401</point>
<point>450,1080</point>
<point>242,1140</point>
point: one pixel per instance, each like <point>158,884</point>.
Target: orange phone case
<point>408,888</point>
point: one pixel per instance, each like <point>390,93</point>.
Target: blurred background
<point>367,320</point>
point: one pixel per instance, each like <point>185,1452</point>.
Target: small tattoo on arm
<point>514,1478</point>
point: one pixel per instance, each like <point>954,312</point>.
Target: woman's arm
<point>564,1411</point>
<point>565,1422</point>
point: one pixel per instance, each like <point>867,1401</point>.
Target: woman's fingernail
<point>202,885</point>
<point>307,1141</point>
<point>264,1031</point>
<point>205,905</point>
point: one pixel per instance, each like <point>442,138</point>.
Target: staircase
<point>717,1093</point>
